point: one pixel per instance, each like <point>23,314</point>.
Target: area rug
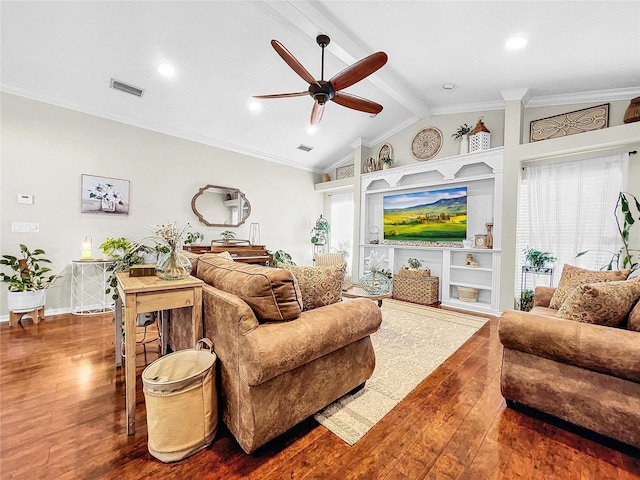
<point>411,343</point>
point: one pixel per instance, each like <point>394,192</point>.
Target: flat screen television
<point>429,215</point>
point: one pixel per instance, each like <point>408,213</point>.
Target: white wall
<point>45,149</point>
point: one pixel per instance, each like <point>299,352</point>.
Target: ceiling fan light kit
<point>323,91</point>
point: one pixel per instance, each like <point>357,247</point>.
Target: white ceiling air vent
<point>304,148</point>
<point>126,88</point>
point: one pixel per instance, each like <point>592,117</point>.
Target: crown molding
<point>585,97</point>
<point>174,132</point>
<point>469,107</point>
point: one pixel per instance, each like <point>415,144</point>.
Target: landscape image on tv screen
<point>430,216</point>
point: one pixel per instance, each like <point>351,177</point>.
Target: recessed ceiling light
<point>448,86</point>
<point>254,105</point>
<point>166,70</point>
<point>515,43</point>
<point>312,129</point>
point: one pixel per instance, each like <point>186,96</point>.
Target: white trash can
<point>181,402</point>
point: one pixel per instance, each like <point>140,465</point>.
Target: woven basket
<point>468,294</point>
<point>416,289</point>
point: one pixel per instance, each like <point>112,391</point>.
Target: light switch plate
<point>25,227</point>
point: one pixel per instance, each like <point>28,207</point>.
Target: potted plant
<point>526,300</point>
<point>463,134</point>
<point>194,238</point>
<point>536,258</point>
<point>414,263</point>
<point>280,257</point>
<point>623,258</point>
<point>320,232</point>
<point>228,235</point>
<point>29,280</point>
<point>115,247</point>
<point>386,162</point>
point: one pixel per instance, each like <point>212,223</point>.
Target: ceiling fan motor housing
<point>322,93</point>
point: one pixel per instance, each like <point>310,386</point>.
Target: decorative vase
<point>173,266</point>
<point>374,283</point>
<point>464,144</point>
<point>108,205</point>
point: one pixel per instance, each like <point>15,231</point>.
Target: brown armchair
<point>279,364</point>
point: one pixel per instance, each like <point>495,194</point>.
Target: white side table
<point>88,283</point>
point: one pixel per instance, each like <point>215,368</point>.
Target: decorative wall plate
<point>385,151</point>
<point>426,144</point>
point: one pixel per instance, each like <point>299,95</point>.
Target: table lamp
<point>86,248</point>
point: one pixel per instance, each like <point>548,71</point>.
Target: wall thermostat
<point>24,198</point>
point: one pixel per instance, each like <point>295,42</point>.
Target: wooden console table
<point>144,295</point>
<point>241,253</point>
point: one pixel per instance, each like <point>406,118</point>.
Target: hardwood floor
<point>63,416</point>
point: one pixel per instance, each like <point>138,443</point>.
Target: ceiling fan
<point>324,90</point>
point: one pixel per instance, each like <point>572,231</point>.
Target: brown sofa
<point>278,364</point>
<point>583,373</point>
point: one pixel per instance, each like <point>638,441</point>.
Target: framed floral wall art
<point>109,196</point>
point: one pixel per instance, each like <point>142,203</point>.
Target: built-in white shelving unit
<point>481,173</point>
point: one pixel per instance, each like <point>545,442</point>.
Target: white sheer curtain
<point>341,218</point>
<point>571,209</point>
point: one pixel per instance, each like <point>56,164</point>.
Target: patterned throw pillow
<point>634,318</point>
<point>605,303</point>
<point>573,277</point>
<point>320,286</point>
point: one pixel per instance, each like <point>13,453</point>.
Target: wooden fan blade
<point>357,103</point>
<point>358,71</point>
<point>316,113</point>
<point>293,63</point>
<point>282,95</point>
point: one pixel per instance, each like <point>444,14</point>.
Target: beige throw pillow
<point>319,285</point>
<point>604,303</point>
<point>573,277</point>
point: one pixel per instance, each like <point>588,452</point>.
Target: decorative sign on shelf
<point>344,172</point>
<point>587,119</point>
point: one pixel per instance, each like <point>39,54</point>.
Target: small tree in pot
<point>28,281</point>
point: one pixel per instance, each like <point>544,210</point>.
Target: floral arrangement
<point>169,234</point>
<point>105,191</point>
<point>375,261</point>
<point>462,130</point>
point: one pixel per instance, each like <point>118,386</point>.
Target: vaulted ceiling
<point>66,53</point>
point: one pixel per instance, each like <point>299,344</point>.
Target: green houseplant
<point>320,232</point>
<point>28,280</point>
<point>624,215</point>
<point>280,257</point>
<point>228,235</point>
<point>414,263</point>
<point>536,258</point>
<point>526,300</point>
<point>115,247</point>
<point>193,238</point>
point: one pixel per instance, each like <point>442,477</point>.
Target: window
<point>341,234</point>
<point>567,208</point>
